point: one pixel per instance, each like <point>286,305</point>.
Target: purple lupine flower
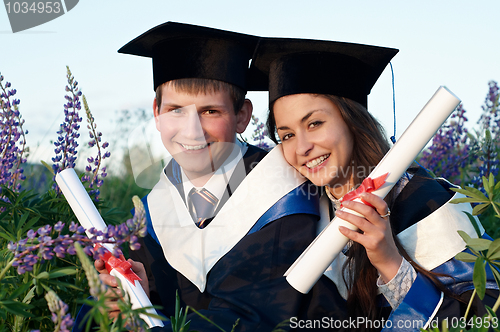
<point>489,123</point>
<point>66,143</point>
<point>260,134</point>
<point>95,179</point>
<point>59,309</point>
<point>73,227</point>
<point>31,234</point>
<point>451,150</point>
<point>12,139</point>
<point>51,243</point>
<point>58,227</point>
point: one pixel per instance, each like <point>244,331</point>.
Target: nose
<point>304,145</point>
<point>193,129</point>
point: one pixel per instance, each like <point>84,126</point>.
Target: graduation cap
<point>288,66</point>
<point>182,50</point>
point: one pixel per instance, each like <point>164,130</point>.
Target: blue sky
<point>452,43</point>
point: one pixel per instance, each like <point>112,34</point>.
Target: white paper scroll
<point>89,217</point>
<point>309,267</point>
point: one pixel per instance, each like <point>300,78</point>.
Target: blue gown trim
<point>417,307</point>
<point>296,201</point>
<point>420,302</point>
<point>299,200</point>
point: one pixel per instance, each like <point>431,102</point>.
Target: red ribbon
<point>120,264</point>
<point>367,186</point>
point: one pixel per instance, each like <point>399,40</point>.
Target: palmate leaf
<point>466,200</point>
<point>464,236</point>
<point>465,257</point>
<point>479,277</point>
<point>17,308</point>
<point>480,208</point>
<point>479,244</point>
<point>495,272</point>
<point>63,271</point>
<point>472,192</point>
<point>20,290</point>
<point>29,224</point>
<point>474,223</point>
<point>494,250</point>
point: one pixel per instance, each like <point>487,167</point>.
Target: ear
<point>243,117</point>
<point>156,112</point>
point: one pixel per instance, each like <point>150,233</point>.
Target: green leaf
<point>497,186</point>
<point>464,236</point>
<point>464,200</point>
<point>8,236</point>
<point>474,223</point>
<point>30,224</point>
<point>494,250</point>
<point>486,184</point>
<point>64,284</point>
<point>479,244</point>
<point>478,209</point>
<point>496,274</point>
<point>17,308</point>
<point>479,277</point>
<point>472,192</point>
<point>42,275</point>
<point>63,271</point>
<point>29,296</point>
<point>48,167</point>
<point>491,183</point>
<point>16,293</point>
<point>465,257</point>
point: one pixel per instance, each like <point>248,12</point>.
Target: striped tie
<point>201,206</point>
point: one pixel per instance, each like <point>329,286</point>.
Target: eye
<point>175,110</point>
<point>315,124</point>
<point>209,112</point>
<point>286,137</point>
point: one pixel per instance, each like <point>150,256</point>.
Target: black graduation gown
<point>424,302</point>
<point>247,283</point>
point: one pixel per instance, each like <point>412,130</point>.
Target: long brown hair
<point>370,146</point>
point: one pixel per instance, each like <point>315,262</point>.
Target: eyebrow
<point>205,107</point>
<point>171,105</point>
<point>212,106</point>
<point>304,119</point>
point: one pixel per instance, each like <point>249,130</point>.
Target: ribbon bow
<point>367,186</point>
<point>119,264</point>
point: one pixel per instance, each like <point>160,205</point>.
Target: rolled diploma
<point>89,217</point>
<point>309,267</point>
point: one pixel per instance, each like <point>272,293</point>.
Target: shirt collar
<point>218,182</point>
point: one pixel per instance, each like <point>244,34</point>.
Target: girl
<point>318,96</point>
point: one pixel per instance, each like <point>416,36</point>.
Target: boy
<point>214,233</point>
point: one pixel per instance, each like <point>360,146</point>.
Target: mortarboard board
<point>183,50</point>
<point>288,66</point>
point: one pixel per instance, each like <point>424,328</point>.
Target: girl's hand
<point>114,293</point>
<point>375,235</point>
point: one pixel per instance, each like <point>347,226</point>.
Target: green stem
<point>496,305</point>
<point>470,303</point>
<point>6,268</point>
<point>495,208</point>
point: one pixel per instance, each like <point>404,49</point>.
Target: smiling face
<point>316,140</point>
<point>199,130</point>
